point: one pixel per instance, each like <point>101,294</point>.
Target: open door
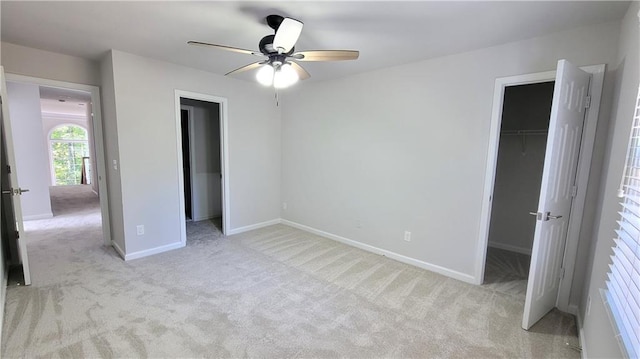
<point>11,192</point>
<point>558,188</point>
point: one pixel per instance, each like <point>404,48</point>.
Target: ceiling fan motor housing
<point>274,21</point>
<point>266,47</point>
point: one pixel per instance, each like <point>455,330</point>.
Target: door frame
<point>224,157</point>
<point>98,139</point>
<point>584,167</point>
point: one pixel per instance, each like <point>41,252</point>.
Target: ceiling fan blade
<point>224,47</point>
<point>287,34</point>
<point>302,73</point>
<point>326,55</point>
<point>252,66</point>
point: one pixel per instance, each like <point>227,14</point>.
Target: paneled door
<point>11,191</point>
<point>570,102</point>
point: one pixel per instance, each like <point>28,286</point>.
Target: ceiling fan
<point>280,69</point>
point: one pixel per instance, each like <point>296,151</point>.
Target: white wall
<point>147,143</point>
<point>205,141</point>
<point>519,167</point>
<point>31,154</point>
<point>597,329</point>
<point>111,148</point>
<point>405,148</point>
<point>516,192</point>
<point>21,60</point>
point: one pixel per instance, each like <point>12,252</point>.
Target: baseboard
<point>572,309</point>
<point>204,218</point>
<point>253,226</point>
<point>508,247</point>
<point>118,249</point>
<point>581,338</point>
<point>152,251</point>
<point>399,257</point>
<point>37,216</point>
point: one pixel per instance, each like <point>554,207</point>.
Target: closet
<point>521,152</point>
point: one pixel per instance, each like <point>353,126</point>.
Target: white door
<point>556,194</point>
<point>11,192</point>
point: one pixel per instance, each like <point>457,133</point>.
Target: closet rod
<point>523,132</point>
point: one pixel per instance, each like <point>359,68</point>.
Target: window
<point>69,146</point>
<point>623,294</point>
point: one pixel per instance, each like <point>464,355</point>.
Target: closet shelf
<point>523,132</point>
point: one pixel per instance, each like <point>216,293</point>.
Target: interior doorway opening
<point>567,164</point>
<point>518,177</point>
<point>202,168</point>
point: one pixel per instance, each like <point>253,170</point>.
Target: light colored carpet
<point>210,229</point>
<point>507,272</point>
<point>270,293</point>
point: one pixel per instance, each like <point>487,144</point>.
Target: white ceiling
<point>73,102</point>
<point>387,33</point>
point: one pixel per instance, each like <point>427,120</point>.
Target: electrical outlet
<point>140,229</point>
<point>407,236</point>
<point>284,206</point>
<point>588,305</point>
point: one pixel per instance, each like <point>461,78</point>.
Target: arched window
<point>69,147</point>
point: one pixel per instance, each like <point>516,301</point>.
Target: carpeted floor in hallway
<point>270,293</point>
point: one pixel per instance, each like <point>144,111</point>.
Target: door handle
<point>537,214</point>
<point>544,216</point>
<point>15,191</point>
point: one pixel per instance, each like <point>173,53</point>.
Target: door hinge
<point>8,169</point>
<point>17,235</point>
<point>574,191</point>
<point>561,273</point>
<point>587,102</point>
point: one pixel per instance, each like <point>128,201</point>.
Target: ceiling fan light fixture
<point>265,75</point>
<point>285,76</point>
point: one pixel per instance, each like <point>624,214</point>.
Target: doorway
<point>59,150</point>
<point>572,129</point>
<point>203,168</point>
<point>521,152</point>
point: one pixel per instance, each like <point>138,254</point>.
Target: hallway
<point>76,225</point>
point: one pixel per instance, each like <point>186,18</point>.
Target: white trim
<point>118,249</point>
<point>38,216</point>
<point>64,116</point>
<point>581,336</point>
<point>254,226</point>
<point>224,158</point>
<point>98,140</point>
<point>572,309</point>
<point>584,166</point>
<point>492,159</point>
<point>399,257</point>
<point>152,251</point>
<point>511,248</point>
